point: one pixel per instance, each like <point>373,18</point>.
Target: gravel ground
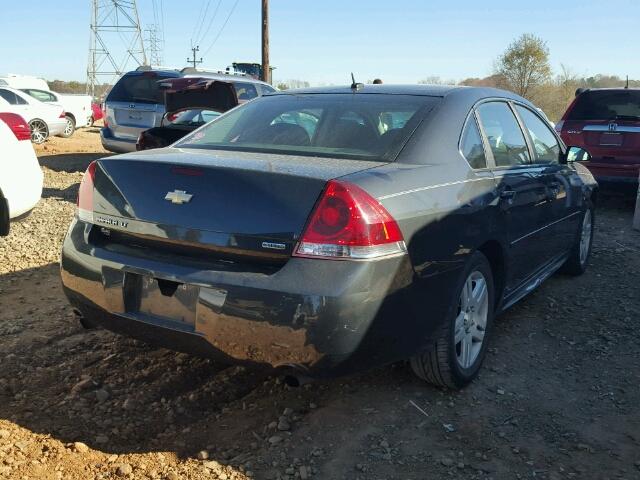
<point>558,397</point>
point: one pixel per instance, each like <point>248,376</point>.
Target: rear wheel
<point>457,355</point>
<point>576,264</point>
<point>90,121</point>
<point>39,131</point>
<point>69,128</point>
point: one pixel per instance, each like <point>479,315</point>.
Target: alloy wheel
<point>39,131</point>
<point>68,129</point>
<point>585,237</point>
<point>471,320</point>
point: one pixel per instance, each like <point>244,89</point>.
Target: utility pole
<point>113,22</point>
<point>193,60</point>
<point>266,71</point>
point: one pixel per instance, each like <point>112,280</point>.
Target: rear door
<point>563,207</point>
<point>136,103</point>
<point>521,187</point>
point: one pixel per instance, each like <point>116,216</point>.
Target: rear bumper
<point>57,127</point>
<point>622,172</point>
<point>24,193</point>
<point>116,145</point>
<point>319,317</point>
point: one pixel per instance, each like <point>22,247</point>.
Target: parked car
<point>23,81</point>
<point>96,114</point>
<point>329,230</point>
<point>188,106</point>
<point>606,121</point>
<point>77,107</point>
<point>20,174</point>
<point>44,119</point>
<point>135,102</point>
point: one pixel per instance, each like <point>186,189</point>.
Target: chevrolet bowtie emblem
<point>178,197</point>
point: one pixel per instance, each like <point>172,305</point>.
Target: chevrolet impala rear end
<point>332,230</point>
<point>249,256</point>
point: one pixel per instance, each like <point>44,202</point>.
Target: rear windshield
<point>355,126</point>
<point>607,105</point>
<point>138,88</point>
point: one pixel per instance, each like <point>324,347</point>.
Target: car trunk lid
<point>227,205</point>
<point>614,141</point>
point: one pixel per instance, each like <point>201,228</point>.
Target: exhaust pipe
<point>294,380</point>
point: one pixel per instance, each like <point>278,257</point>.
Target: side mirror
<point>577,154</point>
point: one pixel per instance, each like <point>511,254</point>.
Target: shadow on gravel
<point>557,397</point>
<point>69,194</point>
<point>70,162</point>
<point>113,393</point>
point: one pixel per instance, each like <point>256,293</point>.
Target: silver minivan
<point>135,102</point>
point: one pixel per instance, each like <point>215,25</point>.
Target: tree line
<point>524,69</point>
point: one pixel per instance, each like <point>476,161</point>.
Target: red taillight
<point>347,222</point>
<point>63,114</point>
<point>17,124</point>
<point>85,194</point>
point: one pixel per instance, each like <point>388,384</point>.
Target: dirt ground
<point>558,397</point>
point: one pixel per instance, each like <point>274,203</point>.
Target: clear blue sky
<point>322,41</point>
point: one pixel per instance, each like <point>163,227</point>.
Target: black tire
<point>577,263</point>
<point>70,128</point>
<point>4,216</point>
<point>440,365</point>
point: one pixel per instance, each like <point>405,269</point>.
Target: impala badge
<point>178,197</point>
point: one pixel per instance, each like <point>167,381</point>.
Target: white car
<point>20,173</point>
<point>77,107</point>
<point>44,118</point>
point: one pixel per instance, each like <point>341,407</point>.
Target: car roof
<point>453,92</point>
<point>389,89</point>
<point>610,89</point>
<point>194,72</point>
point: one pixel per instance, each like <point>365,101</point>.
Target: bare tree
<point>525,64</point>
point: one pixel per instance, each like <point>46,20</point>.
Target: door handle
<point>554,190</point>
<point>508,195</point>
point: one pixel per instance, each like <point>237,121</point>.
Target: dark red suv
<point>606,123</point>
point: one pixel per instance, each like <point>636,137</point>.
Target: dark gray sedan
<point>324,231</point>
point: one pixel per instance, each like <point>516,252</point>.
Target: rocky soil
<point>558,397</point>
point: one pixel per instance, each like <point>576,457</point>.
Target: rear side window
<point>10,97</point>
<point>245,91</point>
<point>504,135</point>
<point>606,105</point>
<point>546,147</point>
<point>267,89</point>
<point>40,95</point>
<point>138,88</point>
<point>471,145</point>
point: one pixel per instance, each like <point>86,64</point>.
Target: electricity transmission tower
<point>116,40</point>
<point>154,45</point>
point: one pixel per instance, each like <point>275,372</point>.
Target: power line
<point>210,22</point>
<point>162,20</point>
<point>222,28</point>
<point>198,20</point>
<point>206,10</point>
